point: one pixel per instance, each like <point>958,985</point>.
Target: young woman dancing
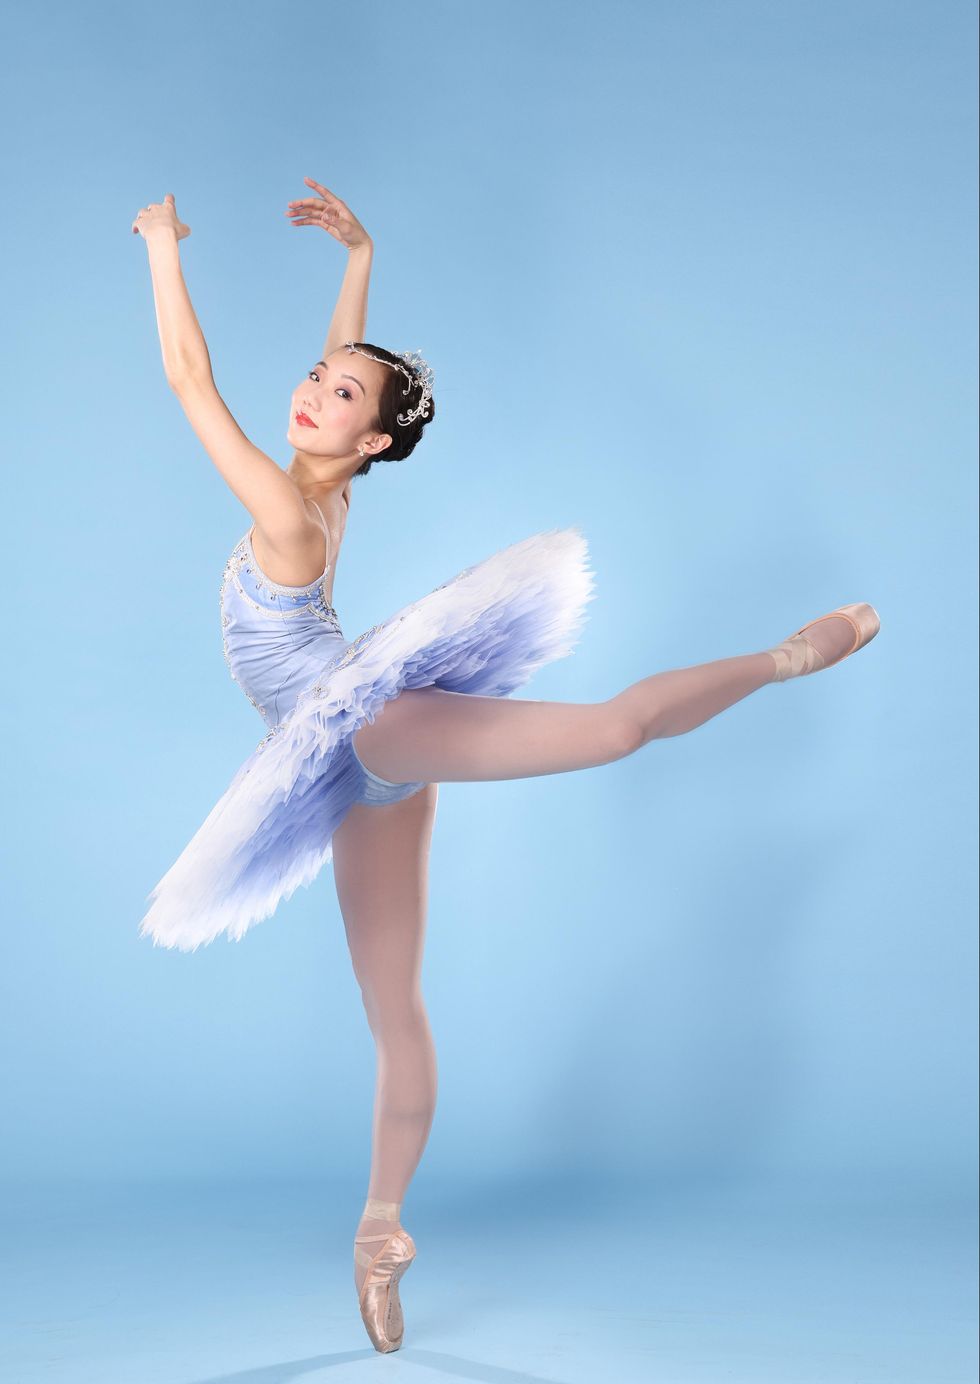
<point>360,733</point>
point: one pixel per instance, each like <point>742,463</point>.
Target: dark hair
<point>393,401</point>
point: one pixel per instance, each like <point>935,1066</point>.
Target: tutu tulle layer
<point>484,632</point>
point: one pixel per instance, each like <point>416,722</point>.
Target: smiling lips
<point>305,421</point>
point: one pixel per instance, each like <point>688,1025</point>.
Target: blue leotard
<point>277,639</point>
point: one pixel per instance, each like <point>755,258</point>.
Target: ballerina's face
<point>339,397</point>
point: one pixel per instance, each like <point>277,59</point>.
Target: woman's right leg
<point>380,868</point>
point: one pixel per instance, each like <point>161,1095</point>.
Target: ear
<point>379,443</point>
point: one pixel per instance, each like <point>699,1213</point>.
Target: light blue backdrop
<point>696,277</point>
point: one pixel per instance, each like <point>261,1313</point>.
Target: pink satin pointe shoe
<point>381,1309</point>
<point>797,656</point>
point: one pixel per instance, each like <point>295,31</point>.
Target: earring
<point>360,451</point>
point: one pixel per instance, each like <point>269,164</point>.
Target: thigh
<point>429,734</point>
<point>381,873</point>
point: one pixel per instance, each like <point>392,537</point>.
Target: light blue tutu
<point>484,632</point>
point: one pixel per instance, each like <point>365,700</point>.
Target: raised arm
<point>349,321</point>
<point>267,492</point>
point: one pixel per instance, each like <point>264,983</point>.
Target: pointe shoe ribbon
<point>379,1302</point>
<point>797,656</point>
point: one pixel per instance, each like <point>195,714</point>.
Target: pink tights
<point>381,852</point>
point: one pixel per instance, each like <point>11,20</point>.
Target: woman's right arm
<point>267,492</point>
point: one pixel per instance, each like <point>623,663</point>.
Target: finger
<point>319,218</point>
<point>323,214</point>
<point>312,222</point>
<point>307,202</point>
<point>169,197</point>
<point>323,191</point>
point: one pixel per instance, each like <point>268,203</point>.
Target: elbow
<point>182,377</point>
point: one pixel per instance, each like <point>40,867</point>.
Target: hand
<point>160,214</point>
<point>330,213</point>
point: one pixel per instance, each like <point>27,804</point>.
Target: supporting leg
<point>381,873</point>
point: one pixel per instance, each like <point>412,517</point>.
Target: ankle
<point>378,1213</point>
<point>779,662</point>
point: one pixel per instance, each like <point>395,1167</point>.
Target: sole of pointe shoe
<point>393,1325</point>
<point>394,1320</point>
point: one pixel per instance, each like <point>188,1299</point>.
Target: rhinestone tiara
<point>419,372</point>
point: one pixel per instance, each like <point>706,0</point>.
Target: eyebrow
<point>345,377</point>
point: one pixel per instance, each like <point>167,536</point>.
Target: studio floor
<point>199,1283</point>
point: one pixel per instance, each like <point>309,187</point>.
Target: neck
<point>332,477</point>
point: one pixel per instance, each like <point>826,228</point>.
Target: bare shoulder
<point>302,557</point>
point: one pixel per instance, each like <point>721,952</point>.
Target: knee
<point>392,1017</point>
<point>622,733</point>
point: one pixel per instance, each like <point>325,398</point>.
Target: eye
<point>314,375</point>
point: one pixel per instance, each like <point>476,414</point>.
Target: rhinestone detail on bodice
<point>288,601</point>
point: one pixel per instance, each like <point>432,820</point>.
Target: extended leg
<point>437,736</point>
<point>381,873</point>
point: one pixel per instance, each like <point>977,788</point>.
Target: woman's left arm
<point>182,343</point>
<point>349,321</point>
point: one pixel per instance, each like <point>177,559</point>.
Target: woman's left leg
<point>430,735</point>
<point>380,868</point>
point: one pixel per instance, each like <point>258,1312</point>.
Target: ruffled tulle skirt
<point>483,632</point>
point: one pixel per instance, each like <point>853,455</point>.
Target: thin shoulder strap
<point>326,536</point>
<point>322,520</point>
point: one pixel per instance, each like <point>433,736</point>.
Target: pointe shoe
<point>797,656</point>
<point>381,1309</point>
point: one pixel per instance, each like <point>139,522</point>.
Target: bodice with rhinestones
<point>276,638</point>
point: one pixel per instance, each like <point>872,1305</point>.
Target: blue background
<point>699,278</point>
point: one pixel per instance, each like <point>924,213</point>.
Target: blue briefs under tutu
<point>484,632</point>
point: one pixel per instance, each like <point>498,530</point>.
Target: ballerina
<point>361,732</point>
